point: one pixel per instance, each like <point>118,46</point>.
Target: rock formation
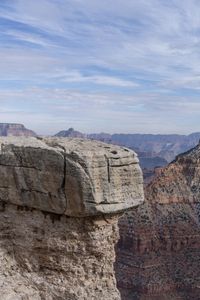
<point>60,200</point>
<point>71,133</point>
<point>154,150</point>
<point>9,129</point>
<point>158,255</point>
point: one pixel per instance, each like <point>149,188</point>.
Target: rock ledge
<point>75,177</point>
<point>60,200</point>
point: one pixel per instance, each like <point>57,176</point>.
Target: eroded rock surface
<point>60,200</point>
<point>159,250</point>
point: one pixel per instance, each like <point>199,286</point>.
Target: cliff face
<point>9,129</point>
<point>60,200</point>
<point>158,256</point>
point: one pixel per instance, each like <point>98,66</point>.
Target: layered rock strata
<point>158,256</point>
<point>13,129</point>
<point>60,200</point>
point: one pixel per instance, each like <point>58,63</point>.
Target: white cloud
<point>27,37</point>
<point>76,76</point>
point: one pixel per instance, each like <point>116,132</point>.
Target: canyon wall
<point>154,150</point>
<point>158,255</point>
<point>13,129</point>
<point>60,201</point>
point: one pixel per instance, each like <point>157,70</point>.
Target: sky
<point>126,66</point>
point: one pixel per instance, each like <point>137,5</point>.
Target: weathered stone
<point>60,200</point>
<point>47,256</point>
<point>69,176</point>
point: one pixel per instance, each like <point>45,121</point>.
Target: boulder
<point>75,177</point>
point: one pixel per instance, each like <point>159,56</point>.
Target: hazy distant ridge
<point>165,146</point>
<point>15,129</point>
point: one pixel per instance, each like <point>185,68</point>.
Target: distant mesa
<point>14,129</point>
<point>70,133</point>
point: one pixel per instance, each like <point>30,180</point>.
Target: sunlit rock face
<point>60,201</point>
<point>158,255</point>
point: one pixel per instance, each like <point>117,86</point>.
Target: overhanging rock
<point>75,177</point>
<point>60,200</point>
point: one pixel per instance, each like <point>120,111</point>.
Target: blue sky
<point>114,66</point>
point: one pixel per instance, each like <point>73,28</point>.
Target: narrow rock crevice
<point>108,168</point>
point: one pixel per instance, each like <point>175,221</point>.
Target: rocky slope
<point>158,255</point>
<point>60,200</point>
<point>9,129</point>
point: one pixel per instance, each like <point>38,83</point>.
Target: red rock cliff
<point>158,255</point>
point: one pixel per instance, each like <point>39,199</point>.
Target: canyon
<point>158,255</point>
<point>60,201</point>
<point>154,150</point>
<point>149,147</point>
